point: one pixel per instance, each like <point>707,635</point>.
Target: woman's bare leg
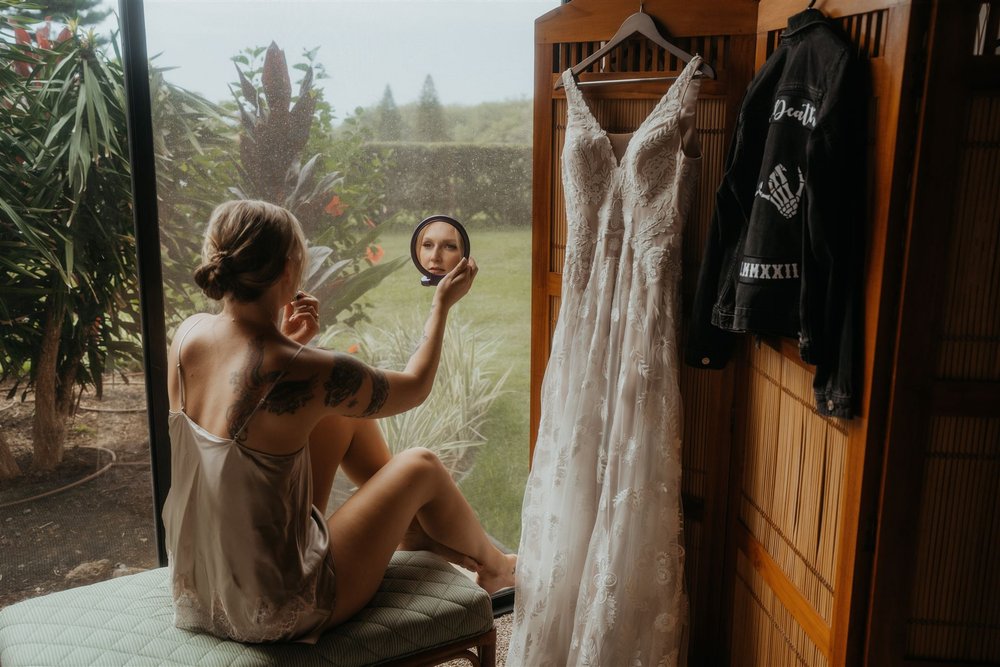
<point>364,532</point>
<point>358,446</point>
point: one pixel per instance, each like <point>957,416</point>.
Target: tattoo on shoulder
<point>345,382</point>
<point>290,395</point>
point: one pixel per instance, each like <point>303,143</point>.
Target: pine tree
<point>64,10</point>
<point>388,120</point>
<point>430,122</point>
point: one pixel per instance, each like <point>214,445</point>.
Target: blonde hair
<point>247,246</point>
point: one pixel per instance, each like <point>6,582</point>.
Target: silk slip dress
<point>600,569</point>
<point>248,552</point>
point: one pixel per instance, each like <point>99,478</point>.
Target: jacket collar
<point>803,19</point>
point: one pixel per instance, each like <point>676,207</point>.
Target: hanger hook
<point>811,3</point>
<point>642,2</point>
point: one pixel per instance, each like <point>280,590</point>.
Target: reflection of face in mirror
<point>439,247</point>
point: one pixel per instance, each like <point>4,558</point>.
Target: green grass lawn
<point>499,304</point>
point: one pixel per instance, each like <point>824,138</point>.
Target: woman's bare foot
<point>501,576</point>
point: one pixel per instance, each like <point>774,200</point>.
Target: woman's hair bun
<point>214,277</point>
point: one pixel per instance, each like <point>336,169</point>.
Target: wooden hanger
<point>641,23</point>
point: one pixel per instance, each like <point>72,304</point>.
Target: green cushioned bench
<point>425,612</point>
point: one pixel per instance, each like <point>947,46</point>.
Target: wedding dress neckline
<point>574,96</point>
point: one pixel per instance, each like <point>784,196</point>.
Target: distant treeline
<point>479,184</point>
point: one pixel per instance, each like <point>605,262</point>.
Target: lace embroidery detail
<point>270,621</point>
<point>601,561</point>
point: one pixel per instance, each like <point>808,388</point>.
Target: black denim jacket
<point>783,253</point>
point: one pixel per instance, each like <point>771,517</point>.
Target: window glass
<point>364,118</point>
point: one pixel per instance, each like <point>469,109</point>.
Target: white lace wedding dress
<point>600,570</point>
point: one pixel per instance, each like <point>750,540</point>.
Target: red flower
<point>353,349</point>
<point>335,207</point>
<point>64,34</point>
<point>21,36</point>
<point>374,256</point>
<point>42,37</point>
<point>369,222</point>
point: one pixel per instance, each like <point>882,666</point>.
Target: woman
<point>259,425</point>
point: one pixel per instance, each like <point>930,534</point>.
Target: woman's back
<point>243,385</point>
<point>249,553</point>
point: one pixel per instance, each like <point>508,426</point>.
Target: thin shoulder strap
<point>180,348</point>
<point>268,392</point>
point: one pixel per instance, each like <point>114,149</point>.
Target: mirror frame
<point>431,279</point>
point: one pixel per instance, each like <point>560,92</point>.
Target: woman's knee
<point>421,462</point>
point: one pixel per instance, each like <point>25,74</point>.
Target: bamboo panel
<point>711,124</point>
<point>793,476</point>
<point>700,414</point>
<point>954,613</point>
<point>867,31</point>
<point>970,340</point>
<point>639,55</point>
<point>557,232</point>
<point>765,634</point>
<point>694,534</point>
<point>553,317</point>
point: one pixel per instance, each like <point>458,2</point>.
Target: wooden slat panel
<point>970,339</point>
<point>954,613</point>
<point>694,559</point>
<point>793,476</point>
<point>592,21</point>
<point>866,31</point>
<point>557,233</point>
<point>711,124</point>
<point>765,634</point>
<point>699,391</point>
<point>553,316</point>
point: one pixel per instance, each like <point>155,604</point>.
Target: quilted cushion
<point>423,602</point>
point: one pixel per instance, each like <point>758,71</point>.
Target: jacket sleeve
<point>832,259</point>
<point>706,345</point>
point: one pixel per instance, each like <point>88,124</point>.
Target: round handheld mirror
<point>439,243</point>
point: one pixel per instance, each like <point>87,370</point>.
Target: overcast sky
<point>476,50</point>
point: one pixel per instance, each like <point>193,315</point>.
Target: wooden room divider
<point>791,556</point>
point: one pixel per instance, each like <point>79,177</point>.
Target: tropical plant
<point>67,296</point>
<point>81,12</point>
<point>338,215</point>
<point>450,421</point>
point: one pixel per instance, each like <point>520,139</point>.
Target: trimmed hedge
<point>477,184</point>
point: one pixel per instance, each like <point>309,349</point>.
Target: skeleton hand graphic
<point>779,191</point>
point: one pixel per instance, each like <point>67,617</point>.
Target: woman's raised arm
<point>353,388</point>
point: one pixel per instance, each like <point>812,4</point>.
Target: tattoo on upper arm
<point>380,392</point>
<point>345,382</point>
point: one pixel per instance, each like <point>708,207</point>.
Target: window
<point>395,111</point>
